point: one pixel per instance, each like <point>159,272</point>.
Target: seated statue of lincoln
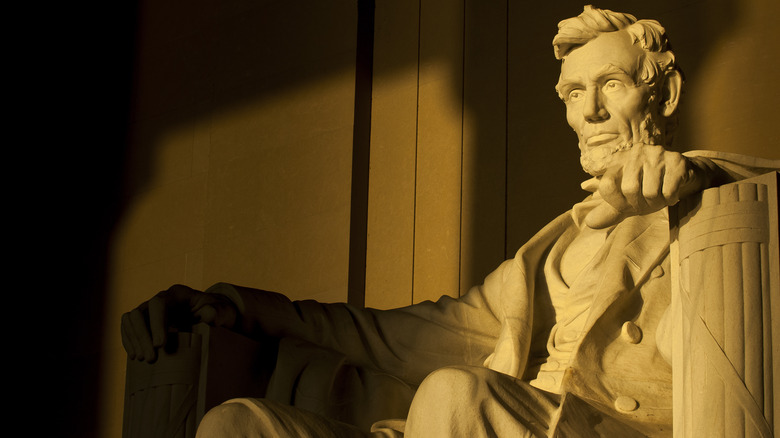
<point>574,330</point>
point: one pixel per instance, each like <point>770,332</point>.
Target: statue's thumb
<point>603,216</point>
<point>207,314</point>
<point>217,315</point>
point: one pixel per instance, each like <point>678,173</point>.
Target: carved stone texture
<point>726,303</point>
<point>160,398</point>
<point>195,372</point>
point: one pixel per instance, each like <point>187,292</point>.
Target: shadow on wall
<point>72,181</point>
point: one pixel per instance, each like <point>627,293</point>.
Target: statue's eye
<point>612,85</point>
<point>576,95</point>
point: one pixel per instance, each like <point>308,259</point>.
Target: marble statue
<point>571,337</point>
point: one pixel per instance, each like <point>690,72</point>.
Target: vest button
<point>631,333</point>
<point>626,404</point>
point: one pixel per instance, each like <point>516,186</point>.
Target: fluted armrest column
<point>196,371</point>
<point>726,308</point>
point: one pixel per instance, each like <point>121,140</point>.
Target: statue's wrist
<point>706,173</point>
<point>233,301</point>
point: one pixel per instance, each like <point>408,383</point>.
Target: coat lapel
<point>633,249</point>
<point>518,291</point>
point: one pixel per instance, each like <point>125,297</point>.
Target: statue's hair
<point>649,34</point>
<point>658,58</point>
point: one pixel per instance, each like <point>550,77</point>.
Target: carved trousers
<point>451,402</point>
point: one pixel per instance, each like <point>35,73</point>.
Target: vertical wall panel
<point>483,227</point>
<point>438,149</point>
<point>390,251</point>
<point>438,197</point>
<point>544,172</point>
<point>278,197</point>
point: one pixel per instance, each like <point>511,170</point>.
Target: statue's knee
<point>451,385</point>
<point>445,401</point>
<point>232,418</point>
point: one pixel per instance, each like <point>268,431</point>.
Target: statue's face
<point>605,107</point>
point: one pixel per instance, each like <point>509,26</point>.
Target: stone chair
<point>205,367</point>
<point>197,371</point>
<point>726,310</point>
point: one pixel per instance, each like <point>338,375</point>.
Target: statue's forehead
<point>604,54</point>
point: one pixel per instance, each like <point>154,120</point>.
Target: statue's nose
<point>593,108</point>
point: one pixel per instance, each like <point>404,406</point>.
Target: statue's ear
<point>671,90</point>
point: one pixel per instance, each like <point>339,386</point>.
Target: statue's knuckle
<point>630,188</point>
<point>650,193</point>
<point>608,185</point>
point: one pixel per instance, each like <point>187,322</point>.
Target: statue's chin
<point>595,161</point>
<point>594,168</point>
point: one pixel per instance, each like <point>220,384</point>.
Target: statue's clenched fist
<point>145,328</point>
<point>642,180</point>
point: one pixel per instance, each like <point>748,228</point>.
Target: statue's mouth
<point>600,139</point>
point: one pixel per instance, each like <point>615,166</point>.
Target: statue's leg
<point>478,402</point>
<point>259,418</point>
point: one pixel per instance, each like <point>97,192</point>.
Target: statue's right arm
<point>407,342</point>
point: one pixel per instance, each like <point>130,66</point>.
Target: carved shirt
<point>571,294</point>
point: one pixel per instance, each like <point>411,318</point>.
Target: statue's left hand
<point>642,180</point>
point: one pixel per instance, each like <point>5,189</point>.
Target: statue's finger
<point>610,187</point>
<point>128,340</point>
<point>631,184</point>
<point>591,185</point>
<point>652,184</point>
<point>679,181</point>
<point>158,321</point>
<point>141,334</point>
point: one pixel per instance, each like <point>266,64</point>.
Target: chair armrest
<point>726,310</point>
<point>196,371</point>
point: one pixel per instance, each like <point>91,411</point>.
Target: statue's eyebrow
<point>562,84</point>
<point>611,69</point>
<point>605,70</point>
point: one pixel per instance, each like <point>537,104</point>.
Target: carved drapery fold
<point>727,311</point>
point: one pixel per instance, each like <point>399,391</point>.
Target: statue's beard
<point>596,160</point>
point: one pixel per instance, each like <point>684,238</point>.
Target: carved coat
<point>504,323</point>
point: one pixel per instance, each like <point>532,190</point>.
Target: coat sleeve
<point>408,342</point>
<point>734,167</point>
